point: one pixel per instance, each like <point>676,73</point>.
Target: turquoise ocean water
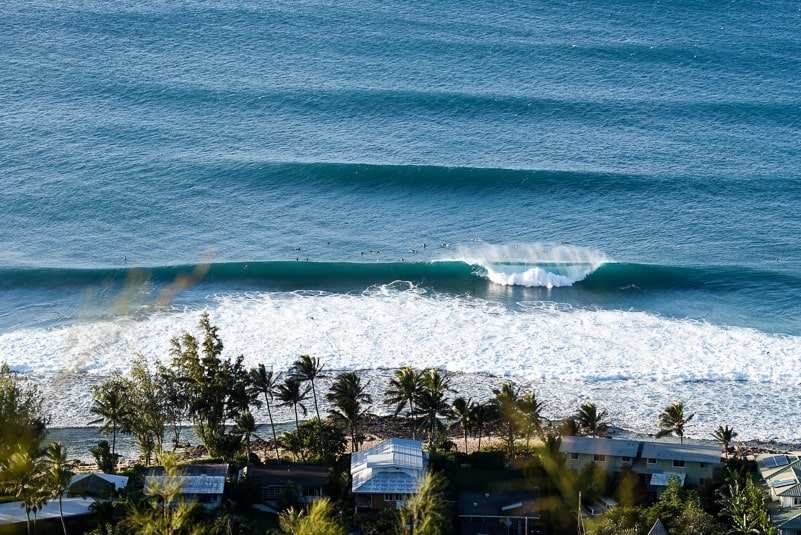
<point>601,202</point>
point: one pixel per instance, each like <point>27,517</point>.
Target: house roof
<point>784,479</point>
<point>94,484</point>
<point>195,478</point>
<point>771,464</point>
<point>787,518</point>
<point>505,504</point>
<point>600,446</point>
<point>392,466</point>
<point>395,452</point>
<point>305,474</point>
<point>658,528</point>
<point>673,451</point>
<point>387,483</point>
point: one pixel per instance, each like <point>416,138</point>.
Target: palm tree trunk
<point>465,441</point>
<point>411,416</point>
<point>297,428</point>
<point>314,394</point>
<point>61,514</point>
<point>272,426</point>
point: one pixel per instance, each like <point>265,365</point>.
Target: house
<point>96,484</point>
<point>385,475</point>
<point>693,464</point>
<point>200,483</point>
<point>656,462</point>
<point>498,513</point>
<point>610,454</point>
<point>781,475</point>
<point>272,480</point>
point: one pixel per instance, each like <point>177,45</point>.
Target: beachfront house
<point>498,513</point>
<point>656,462</point>
<point>309,480</point>
<point>610,454</point>
<point>781,476</point>
<point>200,483</point>
<point>387,474</point>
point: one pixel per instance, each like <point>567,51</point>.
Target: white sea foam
<point>535,264</point>
<point>634,363</point>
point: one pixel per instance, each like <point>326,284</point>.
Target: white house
<point>385,475</point>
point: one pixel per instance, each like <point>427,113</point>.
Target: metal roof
<point>673,451</point>
<point>392,466</point>
<point>600,446</point>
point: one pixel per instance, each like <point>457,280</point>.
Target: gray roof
<point>506,504</point>
<point>673,451</point>
<point>387,483</point>
<point>787,518</point>
<point>785,480</point>
<point>303,474</point>
<point>194,478</point>
<point>600,446</point>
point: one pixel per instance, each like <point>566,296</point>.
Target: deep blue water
<point>459,147</point>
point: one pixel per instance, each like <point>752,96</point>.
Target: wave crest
<point>536,264</point>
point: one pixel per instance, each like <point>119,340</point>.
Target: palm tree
<point>569,427</point>
<point>308,368</point>
<point>724,436</point>
<point>245,427</point>
<point>432,402</point>
<point>484,415</point>
<point>672,421</point>
<point>464,412</point>
<point>58,475</point>
<point>292,394</point>
<point>591,421</point>
<point>530,409</point>
<point>506,399</point>
<point>109,403</point>
<point>23,479</point>
<point>403,389</point>
<point>264,382</point>
<point>348,397</point>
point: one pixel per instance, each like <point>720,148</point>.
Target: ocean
<point>598,201</point>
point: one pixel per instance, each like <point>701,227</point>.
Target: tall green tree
<point>591,421</point>
<point>432,401</point>
<point>507,400</point>
<point>724,435</point>
<point>109,403</point>
<point>58,474</point>
<point>147,399</point>
<point>264,383</point>
<point>672,421</point>
<point>404,388</point>
<point>23,479</point>
<point>349,400</point>
<point>483,416</point>
<point>464,412</point>
<point>216,389</point>
<point>245,428</point>
<point>530,409</point>
<point>292,393</point>
<point>307,369</point>
<point>22,419</point>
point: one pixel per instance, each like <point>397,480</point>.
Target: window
<point>678,464</point>
<point>651,461</point>
<point>796,501</point>
<point>395,497</point>
<point>598,458</point>
<point>701,481</point>
<point>574,456</point>
<point>703,465</point>
<point>626,459</point>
